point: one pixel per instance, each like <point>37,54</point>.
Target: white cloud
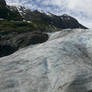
<point>81,5</point>
<point>81,9</point>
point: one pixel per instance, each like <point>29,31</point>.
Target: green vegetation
<point>15,26</point>
<point>20,26</point>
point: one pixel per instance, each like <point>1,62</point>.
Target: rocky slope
<point>63,22</point>
<point>2,3</point>
<point>14,41</point>
<point>62,64</point>
<point>6,13</point>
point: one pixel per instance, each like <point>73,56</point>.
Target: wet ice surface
<point>62,64</point>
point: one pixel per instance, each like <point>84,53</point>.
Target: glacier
<point>62,64</point>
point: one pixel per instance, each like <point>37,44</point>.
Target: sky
<point>80,9</point>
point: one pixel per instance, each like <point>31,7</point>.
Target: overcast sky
<point>80,9</point>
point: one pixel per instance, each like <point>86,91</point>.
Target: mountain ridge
<point>21,13</point>
<point>6,13</point>
<point>52,19</point>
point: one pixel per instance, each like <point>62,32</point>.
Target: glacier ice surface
<point>62,64</point>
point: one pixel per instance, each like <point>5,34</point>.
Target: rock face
<point>9,45</point>
<point>7,50</point>
<point>6,13</point>
<point>62,64</point>
<point>2,3</point>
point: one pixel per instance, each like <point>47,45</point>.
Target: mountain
<point>44,21</point>
<point>6,13</point>
<point>62,64</point>
<point>2,3</point>
<point>63,22</point>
